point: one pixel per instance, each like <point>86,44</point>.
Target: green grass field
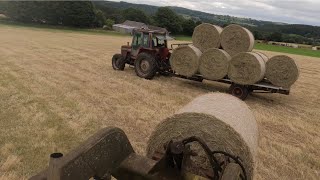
<point>266,47</point>
<point>282,49</point>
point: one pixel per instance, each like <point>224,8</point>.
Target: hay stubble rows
<point>57,88</point>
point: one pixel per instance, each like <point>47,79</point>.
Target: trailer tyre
<point>146,66</point>
<point>118,62</point>
<point>239,91</point>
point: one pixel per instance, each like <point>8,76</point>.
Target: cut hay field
<point>57,88</point>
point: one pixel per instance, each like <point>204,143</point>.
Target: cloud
<point>288,11</point>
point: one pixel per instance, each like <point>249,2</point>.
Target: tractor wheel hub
<point>144,65</point>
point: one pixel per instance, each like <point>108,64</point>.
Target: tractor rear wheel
<point>118,62</point>
<point>146,66</point>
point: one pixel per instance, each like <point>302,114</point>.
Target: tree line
<point>89,14</point>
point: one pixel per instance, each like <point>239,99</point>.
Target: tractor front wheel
<point>118,62</point>
<point>146,66</point>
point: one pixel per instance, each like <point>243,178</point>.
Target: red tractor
<point>148,53</point>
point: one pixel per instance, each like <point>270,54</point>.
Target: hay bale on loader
<point>246,68</point>
<point>236,39</point>
<point>282,71</point>
<point>184,60</point>
<point>214,64</point>
<point>206,36</point>
<point>208,117</point>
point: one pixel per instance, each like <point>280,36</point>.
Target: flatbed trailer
<point>242,91</point>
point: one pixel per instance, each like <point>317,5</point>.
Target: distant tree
<point>100,19</point>
<point>68,13</point>
<point>109,23</point>
<point>3,7</point>
<point>257,35</point>
<point>167,18</point>
<point>276,36</point>
<point>77,13</point>
<point>188,27</point>
<point>136,15</point>
<point>198,23</point>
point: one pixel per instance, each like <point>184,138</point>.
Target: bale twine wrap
<point>224,122</point>
<point>206,36</point>
<point>214,64</point>
<point>184,60</point>
<point>282,71</point>
<point>246,68</point>
<point>236,39</point>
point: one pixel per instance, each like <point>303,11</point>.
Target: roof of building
<point>123,26</point>
<point>134,24</point>
<point>138,25</point>
<point>157,28</point>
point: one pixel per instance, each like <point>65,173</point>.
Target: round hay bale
<point>264,56</point>
<point>208,117</point>
<point>282,71</point>
<point>246,68</point>
<point>236,39</point>
<point>214,64</point>
<point>206,36</point>
<point>184,60</point>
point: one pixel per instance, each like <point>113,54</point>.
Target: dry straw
<point>236,39</point>
<point>214,64</point>
<point>282,71</point>
<point>246,68</point>
<point>224,122</point>
<point>264,56</point>
<point>184,60</point>
<point>206,36</point>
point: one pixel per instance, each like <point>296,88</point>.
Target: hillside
<point>295,33</point>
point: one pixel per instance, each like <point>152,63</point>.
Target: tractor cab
<point>144,40</point>
<point>148,52</point>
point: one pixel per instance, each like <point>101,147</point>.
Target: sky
<point>288,11</point>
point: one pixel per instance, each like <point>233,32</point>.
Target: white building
<point>129,26</point>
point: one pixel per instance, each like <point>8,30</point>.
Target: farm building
<point>129,26</point>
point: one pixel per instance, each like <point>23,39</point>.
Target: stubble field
<point>57,88</point>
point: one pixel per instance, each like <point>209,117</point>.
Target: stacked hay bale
<point>247,68</point>
<point>208,118</point>
<point>185,60</point>
<point>214,64</point>
<point>206,36</point>
<point>282,71</point>
<point>236,39</point>
<point>217,53</point>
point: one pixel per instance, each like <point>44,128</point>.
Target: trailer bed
<point>242,91</point>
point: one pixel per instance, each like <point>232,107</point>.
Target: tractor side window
<point>145,40</point>
<point>155,42</point>
<point>137,40</point>
<point>161,43</point>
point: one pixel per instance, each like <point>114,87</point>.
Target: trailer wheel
<point>146,66</point>
<point>118,62</point>
<point>239,91</point>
